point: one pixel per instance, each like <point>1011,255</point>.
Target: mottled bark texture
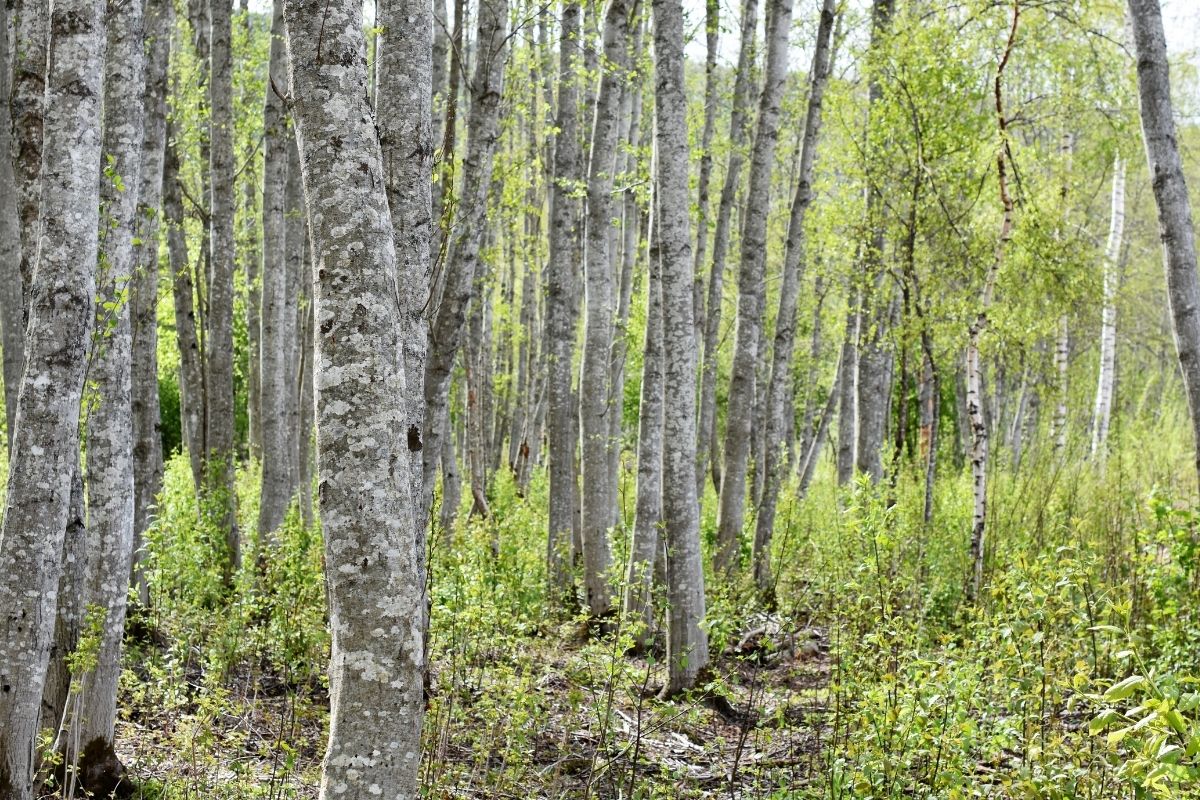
<point>687,642</point>
<point>1108,316</point>
<point>648,516</point>
<point>147,428</point>
<point>739,132</point>
<point>562,310</point>
<point>712,33</point>
<point>279,468</point>
<point>404,117</point>
<point>596,400</point>
<point>12,328</point>
<point>739,415</point>
<point>45,446</point>
<point>1170,196</point>
<point>218,342</point>
<point>110,415</point>
<point>376,596</point>
<point>463,258</point>
<point>31,30</point>
<point>779,394</point>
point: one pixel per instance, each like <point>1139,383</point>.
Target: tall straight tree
<point>279,478</point>
<point>110,467</point>
<point>687,641</point>
<point>739,132</point>
<point>1170,196</point>
<point>712,33</point>
<point>32,29</point>
<point>751,290</point>
<point>596,401</point>
<point>562,308</point>
<point>218,360</point>
<point>12,329</point>
<point>45,448</point>
<point>458,288</point>
<point>147,434</point>
<point>1108,315</point>
<point>778,391</point>
<point>376,596</point>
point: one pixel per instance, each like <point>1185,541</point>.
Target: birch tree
<point>45,446</point>
<point>751,290</point>
<point>1108,315</point>
<point>376,595</point>
<point>687,642</point>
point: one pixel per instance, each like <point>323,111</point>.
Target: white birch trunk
<point>1108,316</point>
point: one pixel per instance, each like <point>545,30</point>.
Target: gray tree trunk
<point>847,441</point>
<point>45,446</point>
<point>449,317</point>
<point>1108,316</point>
<point>1062,362</point>
<point>278,313</point>
<point>712,33</point>
<point>739,415</point>
<point>562,311</point>
<point>687,642</point>
<point>110,486</point>
<point>739,133</point>
<point>147,428</point>
<point>220,454</point>
<point>12,328</point>
<point>31,30</point>
<point>191,374</point>
<point>778,391</point>
<point>596,400</point>
<point>373,567</point>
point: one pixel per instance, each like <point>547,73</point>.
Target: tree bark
<point>712,33</point>
<point>687,642</point>
<point>220,455</point>
<point>110,466</point>
<point>376,595</point>
<point>45,446</point>
<point>562,312</point>
<point>778,394</point>
<point>751,280</point>
<point>1108,316</point>
<point>12,328</point>
<point>739,132</point>
<point>847,441</point>
<point>32,30</point>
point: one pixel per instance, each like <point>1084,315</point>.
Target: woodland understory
<point>625,399</point>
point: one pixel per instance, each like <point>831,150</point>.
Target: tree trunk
<point>778,394</point>
<point>751,278</point>
<point>687,642</point>
<point>1062,360</point>
<point>191,373</point>
<point>445,333</point>
<point>562,312</point>
<point>12,328</point>
<point>45,445</point>
<point>597,403</point>
<point>739,132</point>
<point>847,441</point>
<point>639,580</point>
<point>220,456</point>
<point>373,567</point>
<point>712,32</point>
<point>278,312</point>
<point>1108,316</point>
<point>110,486</point>
<point>31,28</point>
<point>147,427</point>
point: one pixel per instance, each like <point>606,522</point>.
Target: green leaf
<point>1124,689</point>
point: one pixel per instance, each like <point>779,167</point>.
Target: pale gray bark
<point>562,311</point>
<point>147,433</point>
<point>45,445</point>
<point>220,452</point>
<point>191,375</point>
<point>110,466</point>
<point>778,391</point>
<point>712,32</point>
<point>596,400</point>
<point>847,441</point>
<point>687,641</point>
<point>739,415</point>
<point>31,31</point>
<point>1170,196</point>
<point>449,316</point>
<point>648,517</point>
<point>373,566</point>
<point>1108,315</point>
<point>307,412</point>
<point>406,76</point>
<point>12,328</point>
<point>739,133</point>
<point>278,313</point>
<point>1062,362</point>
